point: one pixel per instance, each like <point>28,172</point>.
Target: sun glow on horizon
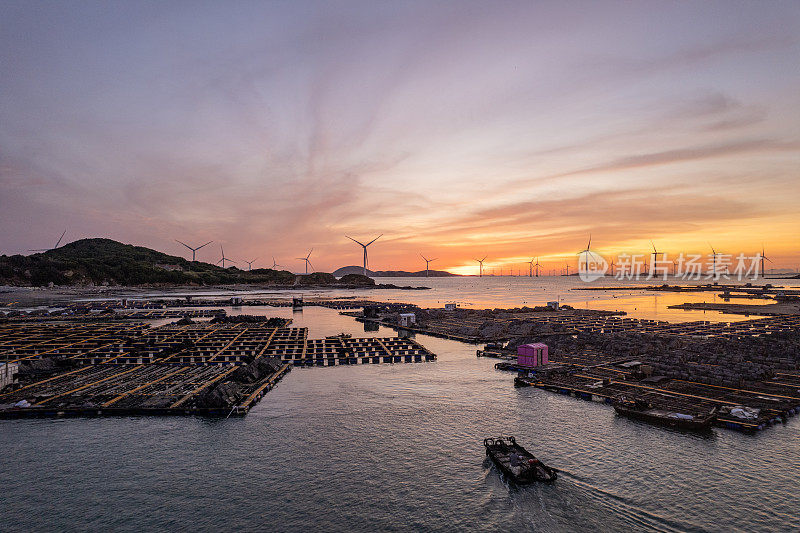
<point>510,130</point>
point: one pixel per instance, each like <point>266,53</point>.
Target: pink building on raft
<point>532,354</point>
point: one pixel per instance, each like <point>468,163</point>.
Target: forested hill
<point>104,261</point>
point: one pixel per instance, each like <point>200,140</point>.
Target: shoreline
<point>48,293</point>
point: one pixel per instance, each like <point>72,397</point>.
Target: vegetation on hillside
<point>104,261</point>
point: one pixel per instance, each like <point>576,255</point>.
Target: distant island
<point>105,262</point>
<point>391,273</point>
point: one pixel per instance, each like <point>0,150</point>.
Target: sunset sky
<point>457,129</point>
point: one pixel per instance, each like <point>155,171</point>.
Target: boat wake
<point>625,509</point>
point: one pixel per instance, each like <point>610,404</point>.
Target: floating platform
<point>479,326</point>
<point>126,390</point>
<point>771,403</point>
<point>95,369</point>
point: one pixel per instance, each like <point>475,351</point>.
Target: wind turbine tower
<point>427,262</point>
<point>587,251</point>
<point>364,246</point>
<point>713,261</point>
<point>307,261</point>
<point>654,260</point>
<point>480,268</point>
<point>763,258</point>
<point>224,258</point>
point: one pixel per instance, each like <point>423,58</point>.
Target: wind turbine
<point>307,261</point>
<point>537,265</point>
<point>194,250</point>
<point>54,247</point>
<point>480,268</point>
<point>274,264</point>
<point>654,260</point>
<point>250,263</point>
<point>366,261</point>
<point>763,258</point>
<point>714,261</point>
<point>587,251</point>
<point>530,268</point>
<point>566,264</point>
<point>224,258</point>
<point>427,262</point>
<point>588,246</point>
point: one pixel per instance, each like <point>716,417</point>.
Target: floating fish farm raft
<point>105,315</point>
<point>762,291</point>
<point>479,325</point>
<point>172,308</point>
<point>216,369</point>
<point>764,402</point>
<point>747,372</point>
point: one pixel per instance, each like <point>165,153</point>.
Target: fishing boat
<point>641,410</point>
<point>515,462</point>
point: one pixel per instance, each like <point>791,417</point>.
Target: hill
<point>391,273</point>
<point>104,261</point>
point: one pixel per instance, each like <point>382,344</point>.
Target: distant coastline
<point>393,273</point>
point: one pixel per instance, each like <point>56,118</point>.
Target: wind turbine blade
<point>183,243</point>
<point>309,264</point>
<point>588,246</point>
<point>432,260</point>
<point>373,240</point>
<point>352,239</point>
<point>484,258</point>
<point>59,239</point>
<point>309,253</point>
<point>206,244</point>
<point>654,247</point>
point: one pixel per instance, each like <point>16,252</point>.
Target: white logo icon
<point>591,266</point>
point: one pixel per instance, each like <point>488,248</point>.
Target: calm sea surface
<point>399,447</point>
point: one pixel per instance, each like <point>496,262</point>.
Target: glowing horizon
<point>457,130</point>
